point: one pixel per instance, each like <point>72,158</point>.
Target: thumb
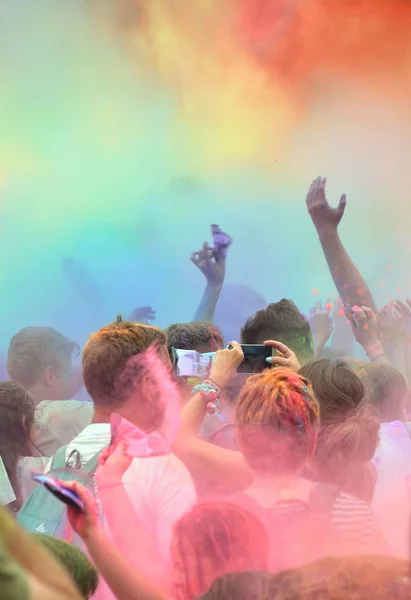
<point>342,204</point>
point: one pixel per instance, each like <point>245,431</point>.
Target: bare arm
<point>213,270</point>
<point>124,580</point>
<point>224,469</point>
<point>206,309</point>
<point>125,526</point>
<point>348,280</point>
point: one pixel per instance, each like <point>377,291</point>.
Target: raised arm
<point>223,469</point>
<point>213,269</point>
<point>348,280</point>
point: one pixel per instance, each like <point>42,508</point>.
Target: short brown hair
<point>107,352</point>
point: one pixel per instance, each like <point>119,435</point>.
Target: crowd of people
<point>289,482</point>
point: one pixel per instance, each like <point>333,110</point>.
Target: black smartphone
<point>254,358</point>
<point>58,490</point>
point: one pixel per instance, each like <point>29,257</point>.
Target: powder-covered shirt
<point>59,421</point>
<point>159,487</point>
<point>391,500</point>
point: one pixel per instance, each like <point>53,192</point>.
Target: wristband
<point>104,486</point>
<point>211,392</point>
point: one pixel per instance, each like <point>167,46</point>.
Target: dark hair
<point>385,389</point>
<point>33,349</point>
<point>107,353</point>
<point>16,420</point>
<point>348,437</point>
<point>214,538</point>
<point>82,571</point>
<point>199,336</point>
<point>283,322</point>
<point>277,421</point>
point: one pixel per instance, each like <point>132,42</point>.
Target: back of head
<point>212,539</point>
<point>354,577</point>
<point>82,571</point>
<point>348,436</point>
<point>107,353</point>
<point>283,322</point>
<point>277,415</point>
<point>34,349</point>
<point>385,390</point>
<point>337,388</point>
<point>334,578</point>
<point>199,336</point>
<point>16,423</point>
<point>343,453</point>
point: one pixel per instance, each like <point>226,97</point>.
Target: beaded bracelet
<point>211,392</point>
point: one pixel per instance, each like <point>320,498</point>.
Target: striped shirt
<point>357,525</point>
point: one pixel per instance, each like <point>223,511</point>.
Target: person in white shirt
<point>121,380</point>
<point>40,359</point>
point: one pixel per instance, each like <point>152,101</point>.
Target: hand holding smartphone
<point>58,489</point>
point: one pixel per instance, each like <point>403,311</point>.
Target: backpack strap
<point>92,464</point>
<point>322,498</point>
<point>59,459</point>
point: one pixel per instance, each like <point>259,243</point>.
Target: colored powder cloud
<point>127,127</point>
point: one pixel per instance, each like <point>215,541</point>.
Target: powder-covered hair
<point>107,353</point>
<point>81,569</point>
<point>277,418</point>
<point>212,539</point>
<point>197,335</point>
<point>348,437</point>
<point>385,390</point>
<point>146,381</point>
<point>353,577</point>
<point>337,388</point>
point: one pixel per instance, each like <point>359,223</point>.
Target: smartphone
<point>58,489</point>
<point>254,358</point>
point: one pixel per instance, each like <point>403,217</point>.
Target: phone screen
<point>58,490</point>
<point>254,358</point>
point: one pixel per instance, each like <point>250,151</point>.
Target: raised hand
<point>212,269</point>
<point>365,328</point>
<point>402,314</point>
<point>325,217</point>
<point>142,314</point>
<point>83,523</point>
<point>113,463</point>
<point>224,364</point>
<point>321,324</point>
<point>285,358</point>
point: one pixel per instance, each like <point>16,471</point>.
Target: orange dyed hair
<point>212,539</point>
<point>277,418</point>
